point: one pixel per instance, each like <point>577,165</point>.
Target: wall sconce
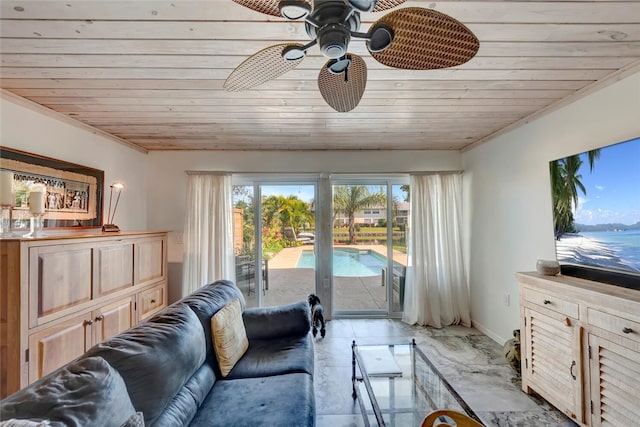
<point>110,226</point>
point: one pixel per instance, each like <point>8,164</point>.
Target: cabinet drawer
<point>551,302</point>
<point>614,324</point>
<point>151,300</point>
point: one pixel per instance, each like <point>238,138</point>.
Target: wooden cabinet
<point>581,347</point>
<point>56,345</point>
<point>113,318</point>
<point>62,294</point>
<point>551,359</point>
<point>151,301</point>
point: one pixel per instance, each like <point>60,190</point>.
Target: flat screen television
<point>596,213</point>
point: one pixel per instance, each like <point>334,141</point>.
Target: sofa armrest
<point>273,322</point>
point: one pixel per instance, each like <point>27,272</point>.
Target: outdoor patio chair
<point>304,238</point>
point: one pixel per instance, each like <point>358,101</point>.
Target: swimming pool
<point>348,262</point>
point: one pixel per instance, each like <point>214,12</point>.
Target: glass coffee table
<point>397,385</point>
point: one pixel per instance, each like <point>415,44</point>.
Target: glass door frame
<point>323,200</point>
<point>257,181</point>
<point>388,181</point>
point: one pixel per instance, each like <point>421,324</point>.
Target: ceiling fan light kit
<point>412,38</point>
<point>363,5</point>
<point>292,9</point>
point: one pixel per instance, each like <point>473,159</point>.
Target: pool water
<point>349,262</point>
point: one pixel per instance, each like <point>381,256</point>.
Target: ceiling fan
<point>412,38</point>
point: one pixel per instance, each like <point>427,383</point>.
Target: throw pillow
<point>229,336</point>
<point>24,423</point>
<point>135,420</point>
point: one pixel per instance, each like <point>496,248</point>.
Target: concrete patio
<point>287,283</point>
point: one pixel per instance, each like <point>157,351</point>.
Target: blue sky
<point>613,188</point>
<point>302,192</point>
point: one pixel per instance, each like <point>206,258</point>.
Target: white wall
<point>29,130</point>
<point>508,198</point>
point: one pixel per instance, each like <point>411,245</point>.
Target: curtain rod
<point>208,173</point>
<point>319,174</point>
<point>421,173</point>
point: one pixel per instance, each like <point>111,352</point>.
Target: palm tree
<point>565,183</point>
<point>349,199</point>
<point>280,212</point>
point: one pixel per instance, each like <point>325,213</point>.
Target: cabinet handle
<point>88,322</point>
<point>567,321</point>
<point>545,302</point>
<point>573,363</point>
<point>100,318</point>
<point>627,330</point>
<point>153,301</point>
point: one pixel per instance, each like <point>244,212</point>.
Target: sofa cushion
<point>184,405</point>
<point>156,358</point>
<point>275,357</point>
<point>292,320</point>
<point>283,400</point>
<point>229,337</point>
<point>206,302</point>
<point>87,392</point>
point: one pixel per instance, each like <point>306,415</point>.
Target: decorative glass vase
<point>37,224</point>
<point>5,224</point>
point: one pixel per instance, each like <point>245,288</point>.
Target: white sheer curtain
<point>208,231</point>
<point>436,292</point>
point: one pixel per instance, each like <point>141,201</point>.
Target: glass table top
<point>397,385</point>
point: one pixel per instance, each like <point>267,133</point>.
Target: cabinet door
<point>150,255</point>
<point>114,265</point>
<point>614,383</point>
<point>112,319</point>
<point>56,345</point>
<point>552,363</point>
<point>60,277</point>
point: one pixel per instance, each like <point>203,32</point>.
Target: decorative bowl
<point>548,267</point>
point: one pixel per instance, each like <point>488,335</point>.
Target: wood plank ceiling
<point>151,72</point>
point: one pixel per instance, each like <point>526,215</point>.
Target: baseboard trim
<point>488,332</point>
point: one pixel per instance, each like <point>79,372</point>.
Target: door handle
<point>573,363</point>
<point>100,318</point>
<point>88,322</point>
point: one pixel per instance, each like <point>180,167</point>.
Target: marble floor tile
<point>339,421</point>
<point>471,362</point>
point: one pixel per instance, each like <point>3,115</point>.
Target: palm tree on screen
<point>565,184</point>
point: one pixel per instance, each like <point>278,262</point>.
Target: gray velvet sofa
<point>165,369</point>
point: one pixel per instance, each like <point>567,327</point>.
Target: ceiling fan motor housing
<point>333,31</point>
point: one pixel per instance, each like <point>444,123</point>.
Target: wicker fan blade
<point>343,92</point>
<point>386,4</point>
<point>261,67</point>
<point>424,39</point>
<point>268,7</point>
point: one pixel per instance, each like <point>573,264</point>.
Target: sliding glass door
<point>343,239</point>
<point>274,229</point>
<point>369,246</point>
